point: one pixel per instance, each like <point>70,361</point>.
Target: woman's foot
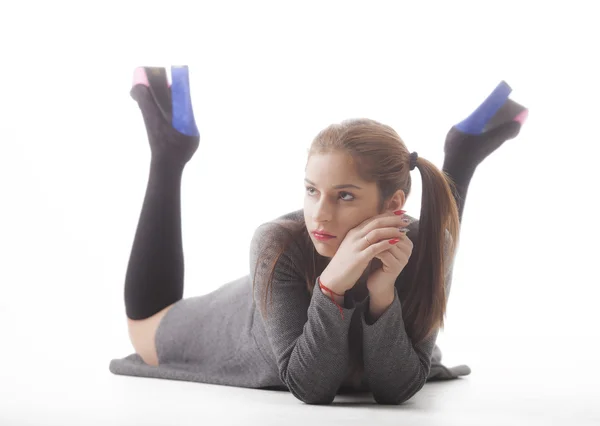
<point>167,112</point>
<point>471,141</point>
<point>495,121</point>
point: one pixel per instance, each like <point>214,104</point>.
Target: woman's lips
<point>322,237</point>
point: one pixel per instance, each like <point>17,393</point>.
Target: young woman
<point>358,310</point>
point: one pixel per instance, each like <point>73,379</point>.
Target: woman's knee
<point>142,334</point>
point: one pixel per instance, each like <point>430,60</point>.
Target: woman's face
<point>336,210</point>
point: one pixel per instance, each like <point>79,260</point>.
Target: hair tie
<point>413,160</point>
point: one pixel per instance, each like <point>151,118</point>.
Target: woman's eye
<point>309,188</point>
<point>347,193</point>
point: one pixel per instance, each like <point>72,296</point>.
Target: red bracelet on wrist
<point>323,287</point>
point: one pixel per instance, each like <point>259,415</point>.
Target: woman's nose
<point>322,215</point>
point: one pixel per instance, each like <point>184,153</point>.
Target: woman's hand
<point>382,279</point>
<point>361,245</point>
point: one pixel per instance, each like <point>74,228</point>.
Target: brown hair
<point>380,156</point>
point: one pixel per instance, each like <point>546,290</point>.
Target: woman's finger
<point>387,258</point>
<point>398,251</point>
<point>402,249</point>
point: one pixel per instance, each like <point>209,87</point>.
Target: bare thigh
<point>142,334</point>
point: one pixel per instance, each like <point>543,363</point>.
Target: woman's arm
<point>396,369</point>
<point>307,333</point>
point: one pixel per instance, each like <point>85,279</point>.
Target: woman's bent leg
<point>155,272</point>
<point>471,141</point>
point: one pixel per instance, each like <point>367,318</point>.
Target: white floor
<point>56,374</point>
<point>68,397</point>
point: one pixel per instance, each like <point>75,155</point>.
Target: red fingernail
<point>394,241</point>
<point>399,212</point>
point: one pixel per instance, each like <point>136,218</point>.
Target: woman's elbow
<point>319,400</point>
<point>309,394</point>
<point>389,397</point>
<point>387,400</point>
<point>311,397</point>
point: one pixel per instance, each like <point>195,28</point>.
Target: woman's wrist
<point>332,284</point>
<point>331,292</point>
<point>338,299</point>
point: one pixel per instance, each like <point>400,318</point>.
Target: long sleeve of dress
<point>307,333</point>
<point>396,369</point>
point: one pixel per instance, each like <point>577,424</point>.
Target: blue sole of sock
<point>174,101</point>
<point>497,109</point>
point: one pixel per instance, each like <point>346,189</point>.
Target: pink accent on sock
<point>140,77</point>
<point>522,116</point>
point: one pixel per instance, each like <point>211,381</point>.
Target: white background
<point>266,77</point>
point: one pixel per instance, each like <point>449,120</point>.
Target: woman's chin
<point>324,250</point>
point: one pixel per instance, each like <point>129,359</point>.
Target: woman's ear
<point>397,201</point>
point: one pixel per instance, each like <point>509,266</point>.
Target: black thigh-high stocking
<point>468,143</point>
<point>155,272</point>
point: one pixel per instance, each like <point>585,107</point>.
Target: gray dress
<point>302,345</point>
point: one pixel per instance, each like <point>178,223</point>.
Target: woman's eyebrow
<point>344,185</point>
